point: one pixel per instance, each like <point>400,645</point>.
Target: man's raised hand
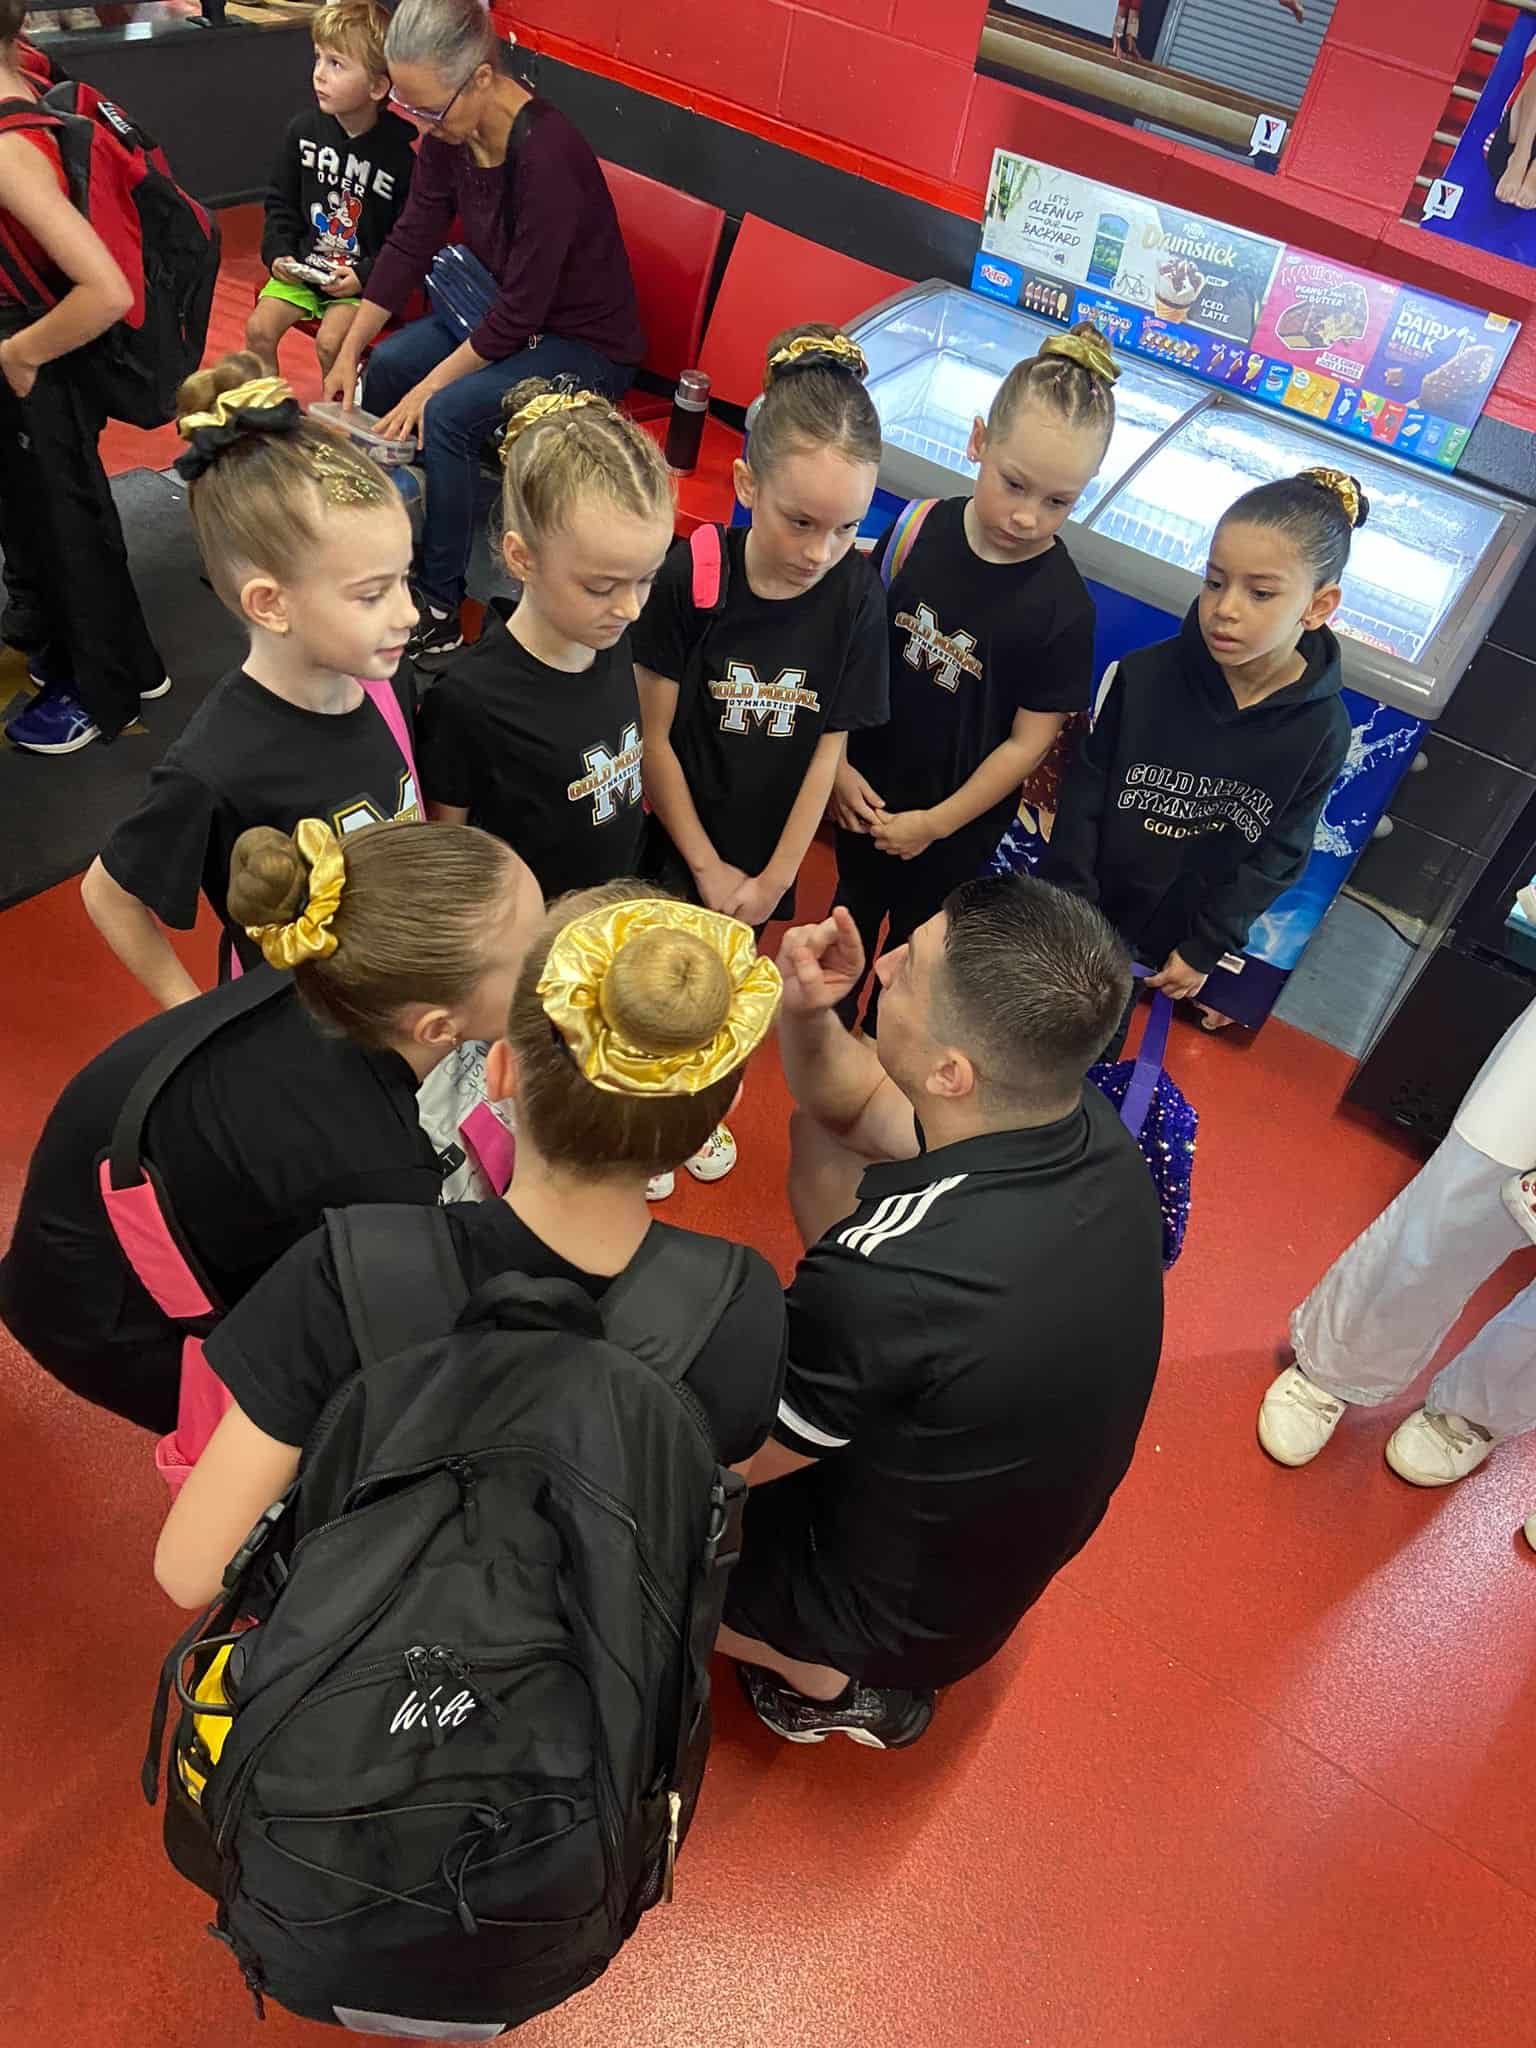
<point>820,963</point>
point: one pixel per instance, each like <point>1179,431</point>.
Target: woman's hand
<point>19,375</point>
<point>1177,978</point>
<point>905,834</point>
<point>405,422</point>
<point>756,899</point>
<point>854,806</point>
<point>719,884</point>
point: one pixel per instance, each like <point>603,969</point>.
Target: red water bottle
<point>685,429</point>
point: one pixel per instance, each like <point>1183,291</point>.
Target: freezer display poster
<point>1487,194</point>
<point>1364,355</point>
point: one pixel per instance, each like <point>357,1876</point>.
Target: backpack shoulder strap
<point>707,551</point>
<point>213,1012</point>
<point>17,114</point>
<point>381,695</point>
<point>667,1305</point>
<point>399,1274</point>
<point>903,537</point>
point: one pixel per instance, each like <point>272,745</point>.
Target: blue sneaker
<point>55,723</point>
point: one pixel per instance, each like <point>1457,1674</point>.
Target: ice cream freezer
<point>1427,576</point>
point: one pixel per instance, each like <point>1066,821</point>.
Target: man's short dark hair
<point>1033,985</point>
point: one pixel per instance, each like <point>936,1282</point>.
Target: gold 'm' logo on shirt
<point>773,706</point>
<point>362,810</point>
<point>945,653</point>
<point>609,776</point>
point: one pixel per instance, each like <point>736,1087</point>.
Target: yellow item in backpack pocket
<point>209,1731</point>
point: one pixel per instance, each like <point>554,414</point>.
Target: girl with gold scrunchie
<point>991,646</point>
<point>308,545</point>
<point>631,1024</point>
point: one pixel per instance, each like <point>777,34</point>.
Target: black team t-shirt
<point>288,1347</point>
<point>973,643</point>
<point>759,682</point>
<point>259,1132</point>
<point>547,760</point>
<point>249,757</point>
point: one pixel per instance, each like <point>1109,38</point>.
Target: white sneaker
<point>659,1186</point>
<point>1296,1418</point>
<point>1432,1450</point>
<point>1530,1530</point>
<point>715,1157</point>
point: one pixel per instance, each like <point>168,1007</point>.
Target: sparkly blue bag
<point>1153,1109</point>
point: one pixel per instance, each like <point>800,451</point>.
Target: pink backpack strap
<point>490,1145</point>
<point>708,567</point>
<point>203,1402</point>
<point>381,695</point>
<point>149,1245</point>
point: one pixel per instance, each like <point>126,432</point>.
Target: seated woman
<point>533,207</point>
<point>630,1028</point>
<point>305,1102</point>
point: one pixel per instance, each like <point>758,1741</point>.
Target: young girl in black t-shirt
<point>307,543</point>
<point>991,649</point>
<point>534,732</point>
<point>748,704</point>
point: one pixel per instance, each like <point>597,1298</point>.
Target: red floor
<point>1257,1773</point>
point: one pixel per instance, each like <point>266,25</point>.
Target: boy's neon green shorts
<point>313,304</point>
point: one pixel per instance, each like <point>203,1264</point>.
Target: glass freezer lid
<point>1410,561</point>
<point>936,361</point>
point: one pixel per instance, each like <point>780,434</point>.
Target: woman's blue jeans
<point>457,423</point>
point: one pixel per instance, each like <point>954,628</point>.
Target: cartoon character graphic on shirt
<point>612,777</point>
<point>771,707</point>
<point>335,226</point>
<point>946,655</point>
<point>362,810</point>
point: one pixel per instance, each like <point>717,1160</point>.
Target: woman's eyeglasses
<point>424,115</point>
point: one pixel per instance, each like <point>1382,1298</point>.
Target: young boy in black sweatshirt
<point>337,188</point>
<point>1192,803</point>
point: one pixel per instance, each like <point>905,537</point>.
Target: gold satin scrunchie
<point>1343,487</point>
<point>1091,352</point>
<point>261,394</point>
<point>545,407</point>
<point>571,990</point>
<point>309,935</point>
<point>845,353</point>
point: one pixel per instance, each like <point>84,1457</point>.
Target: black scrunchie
<point>207,444</point>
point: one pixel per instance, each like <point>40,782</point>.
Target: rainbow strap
<point>909,524</point>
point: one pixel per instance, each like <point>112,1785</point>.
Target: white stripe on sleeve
<point>812,1435</point>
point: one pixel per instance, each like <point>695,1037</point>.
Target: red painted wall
<point>887,88</point>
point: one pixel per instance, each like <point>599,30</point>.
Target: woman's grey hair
<point>451,37</point>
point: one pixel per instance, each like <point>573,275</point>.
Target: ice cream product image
<point>1178,285</point>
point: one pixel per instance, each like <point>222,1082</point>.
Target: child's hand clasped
<point>855,807</point>
<point>1177,978</point>
<point>344,284</point>
<point>905,834</point>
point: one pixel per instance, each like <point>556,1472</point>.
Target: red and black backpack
<point>165,244</point>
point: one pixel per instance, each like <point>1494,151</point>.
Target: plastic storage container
<point>389,451</point>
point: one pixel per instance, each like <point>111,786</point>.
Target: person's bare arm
<point>774,1461</point>
<point>834,1077</point>
<point>668,794</point>
<point>756,898</point>
<point>99,293</point>
<point>370,322</point>
<point>238,1477</point>
<point>136,937</point>
<point>447,814</point>
<point>909,833</point>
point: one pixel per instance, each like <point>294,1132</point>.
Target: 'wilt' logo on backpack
<point>416,1712</point>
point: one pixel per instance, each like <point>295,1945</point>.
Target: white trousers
<point>1381,1311</point>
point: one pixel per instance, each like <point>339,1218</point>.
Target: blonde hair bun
<point>268,877</point>
<point>199,391</point>
<point>667,991</point>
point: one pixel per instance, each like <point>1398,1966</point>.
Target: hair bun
<point>226,403</point>
<point>268,877</point>
<point>815,348</point>
<point>535,399</point>
<point>1338,483</point>
<point>667,991</point>
<point>1088,348</point>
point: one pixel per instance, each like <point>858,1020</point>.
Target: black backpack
<point>442,1735</point>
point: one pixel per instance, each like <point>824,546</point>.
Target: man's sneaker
<point>1296,1418</point>
<point>715,1157</point>
<point>438,632</point>
<point>55,723</point>
<point>161,689</point>
<point>1519,1193</point>
<point>877,1717</point>
<point>1433,1450</point>
<point>660,1185</point>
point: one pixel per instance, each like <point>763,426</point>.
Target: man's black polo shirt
<point>971,1355</point>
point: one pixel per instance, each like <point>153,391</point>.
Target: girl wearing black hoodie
<point>1192,803</point>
